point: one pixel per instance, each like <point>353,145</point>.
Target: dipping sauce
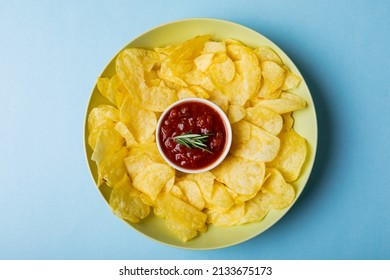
<point>192,117</point>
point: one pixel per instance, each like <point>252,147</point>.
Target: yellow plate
<point>305,125</point>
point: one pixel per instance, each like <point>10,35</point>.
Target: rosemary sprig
<point>193,140</point>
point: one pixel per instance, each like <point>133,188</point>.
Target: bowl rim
<point>225,120</point>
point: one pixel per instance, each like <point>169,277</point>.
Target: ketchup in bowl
<point>193,135</point>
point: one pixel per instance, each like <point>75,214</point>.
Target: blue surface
<point>50,56</point>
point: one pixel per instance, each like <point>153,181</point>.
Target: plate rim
<point>307,165</point>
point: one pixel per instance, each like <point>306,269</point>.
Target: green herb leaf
<point>192,140</point>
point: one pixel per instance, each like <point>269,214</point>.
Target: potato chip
<point>220,200</point>
<point>179,58</point>
<point>287,102</point>
<point>108,142</point>
<point>200,91</point>
<point>214,47</point>
<point>184,93</point>
<point>220,99</point>
<point>235,113</point>
<point>103,116</point>
<point>283,193</point>
<point>273,78</point>
<point>192,193</point>
<point>112,169</point>
<point>126,203</point>
<point>136,163</point>
<point>126,134</point>
<point>222,70</point>
<point>153,179</point>
<point>203,61</point>
<point>180,212</point>
<point>230,41</point>
<point>246,81</point>
<point>264,53</point>
<point>130,66</point>
<point>256,208</point>
<point>205,181</point>
<point>116,91</point>
<point>198,78</point>
<point>192,92</point>
<point>102,85</point>
<point>291,156</point>
<point>288,121</point>
<point>149,149</point>
<point>183,233</point>
<point>265,119</point>
<point>292,80</point>
<point>259,145</point>
<point>241,198</point>
<point>176,191</point>
<point>228,218</point>
<point>140,122</point>
<point>240,175</point>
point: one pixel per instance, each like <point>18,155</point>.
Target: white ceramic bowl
<point>225,121</point>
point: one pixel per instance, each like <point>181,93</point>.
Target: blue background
<point>52,52</point>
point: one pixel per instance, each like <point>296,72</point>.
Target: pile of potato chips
<point>251,85</point>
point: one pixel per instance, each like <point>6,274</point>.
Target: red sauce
<point>197,118</point>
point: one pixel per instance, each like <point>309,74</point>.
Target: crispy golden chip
<point>102,85</point>
<point>136,163</point>
<point>283,193</point>
<point>273,79</point>
<point>176,191</point>
<point>192,193</point>
<point>228,218</point>
<point>246,81</point>
<point>241,198</point>
<point>220,99</point>
<point>126,203</point>
<point>256,208</point>
<point>220,200</point>
<point>108,142</point>
<point>222,70</point>
<point>265,53</point>
<point>292,80</point>
<point>253,143</point>
<point>131,65</point>
<point>153,179</point>
<point>291,156</point>
<point>116,91</point>
<point>183,233</point>
<point>174,209</point>
<point>288,121</point>
<point>231,170</point>
<point>236,113</point>
<point>198,78</point>
<point>184,93</point>
<point>265,119</point>
<point>103,116</point>
<point>140,122</point>
<point>205,181</point>
<point>149,149</point>
<point>203,61</point>
<point>112,169</point>
<point>288,102</point>
<point>214,47</point>
<point>192,92</point>
<point>181,56</point>
<point>126,134</point>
